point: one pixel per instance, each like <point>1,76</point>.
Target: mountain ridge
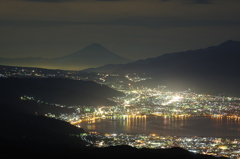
<point>215,69</point>
<point>229,45</point>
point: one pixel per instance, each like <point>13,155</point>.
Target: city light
<point>139,103</point>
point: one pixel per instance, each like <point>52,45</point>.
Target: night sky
<point>135,29</point>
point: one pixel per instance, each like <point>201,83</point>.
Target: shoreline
<point>174,126</point>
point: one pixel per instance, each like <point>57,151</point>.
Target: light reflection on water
<point>179,126</point>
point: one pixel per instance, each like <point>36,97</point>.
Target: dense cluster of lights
<point>136,78</point>
<point>204,145</point>
<point>141,102</point>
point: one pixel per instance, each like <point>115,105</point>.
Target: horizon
<point>134,29</point>
<point>83,52</point>
<point>118,54</point>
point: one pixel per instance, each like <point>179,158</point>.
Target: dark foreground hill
<point>21,134</point>
<point>58,90</point>
<point>22,130</point>
<point>126,152</point>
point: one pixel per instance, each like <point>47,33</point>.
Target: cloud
<point>149,25</point>
<point>111,0</point>
<point>192,1</point>
<point>58,1</point>
<point>147,22</point>
<point>199,1</point>
<point>50,1</point>
<point>96,10</point>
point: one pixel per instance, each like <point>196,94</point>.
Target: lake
<point>177,126</point>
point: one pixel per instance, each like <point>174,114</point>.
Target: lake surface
<point>184,126</point>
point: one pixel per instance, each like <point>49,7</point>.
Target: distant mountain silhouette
<point>214,69</point>
<point>93,55</point>
<point>28,62</point>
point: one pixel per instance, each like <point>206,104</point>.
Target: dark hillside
<point>126,152</point>
<point>31,132</point>
<point>59,90</point>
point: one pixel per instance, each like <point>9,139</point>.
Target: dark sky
<point>135,29</point>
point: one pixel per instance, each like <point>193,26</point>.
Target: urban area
<point>144,102</point>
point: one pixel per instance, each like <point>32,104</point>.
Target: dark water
<point>184,126</point>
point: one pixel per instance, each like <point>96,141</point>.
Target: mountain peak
<point>93,55</point>
<point>230,43</point>
<point>95,45</point>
